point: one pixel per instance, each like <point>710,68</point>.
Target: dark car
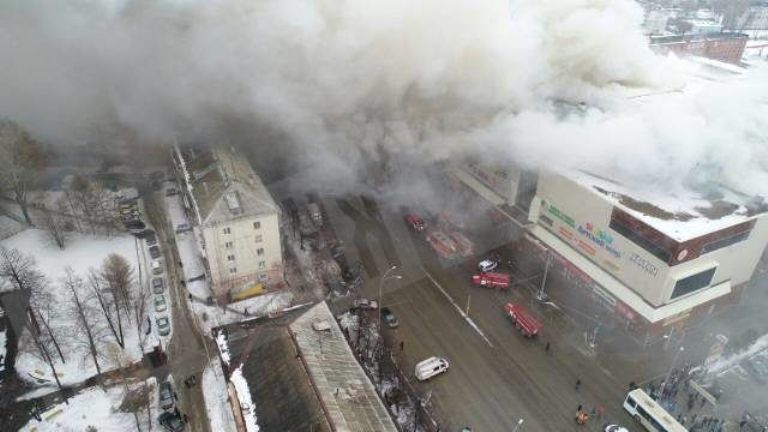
<point>154,252</point>
<point>171,422</point>
<point>151,237</point>
<point>166,396</point>
<point>158,285</point>
<point>353,272</point>
<point>337,251</point>
<point>389,318</point>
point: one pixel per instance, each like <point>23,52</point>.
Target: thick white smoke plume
<point>349,79</point>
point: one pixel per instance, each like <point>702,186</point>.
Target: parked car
<point>337,251</point>
<point>183,227</point>
<point>158,285</point>
<point>365,304</point>
<point>171,191</point>
<point>171,422</point>
<point>165,396</point>
<point>163,326</point>
<point>487,265</point>
<point>160,304</point>
<point>389,318</point>
<point>615,428</point>
<point>416,222</point>
<point>154,252</point>
<point>151,238</point>
<point>157,267</point>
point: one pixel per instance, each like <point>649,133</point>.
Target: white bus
<point>651,415</point>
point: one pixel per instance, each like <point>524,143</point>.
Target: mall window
<point>227,231</point>
<point>256,225</point>
<point>693,283</point>
<point>724,242</point>
<point>233,270</point>
<point>260,251</point>
<point>228,245</point>
<point>547,221</point>
<point>641,241</point>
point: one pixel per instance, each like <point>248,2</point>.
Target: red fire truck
<point>491,280</point>
<point>523,320</point>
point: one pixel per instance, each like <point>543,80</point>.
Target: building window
<point>262,265</point>
<point>228,245</point>
<point>638,239</point>
<point>724,242</point>
<point>260,251</point>
<point>227,230</point>
<point>258,238</point>
<point>230,257</point>
<point>233,270</point>
<point>694,282</point>
<point>256,225</point>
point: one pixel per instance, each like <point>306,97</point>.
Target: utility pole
<point>671,367</point>
<point>469,297</point>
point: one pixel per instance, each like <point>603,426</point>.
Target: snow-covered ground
<point>216,398</point>
<point>2,350</point>
<point>211,316</point>
<point>82,253</point>
<point>92,407</point>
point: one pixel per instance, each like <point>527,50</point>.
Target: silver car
<point>160,304</point>
<point>163,326</point>
<point>158,285</point>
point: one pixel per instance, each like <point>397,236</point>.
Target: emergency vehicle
<point>523,320</point>
<point>491,280</point>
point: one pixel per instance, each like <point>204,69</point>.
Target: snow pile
<point>348,321</point>
<point>2,350</point>
<point>92,407</point>
<point>217,399</point>
<point>244,396</point>
<point>221,341</point>
<point>725,363</point>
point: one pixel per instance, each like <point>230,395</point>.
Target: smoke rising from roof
<point>346,81</point>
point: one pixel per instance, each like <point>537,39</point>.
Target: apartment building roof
<point>222,184</point>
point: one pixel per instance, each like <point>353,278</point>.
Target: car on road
<point>163,326</point>
<point>487,265</point>
<point>165,396</point>
<point>171,422</point>
<point>183,227</point>
<point>615,428</point>
<point>160,304</point>
<point>158,285</point>
<point>154,252</point>
<point>171,191</point>
<point>430,367</point>
<point>415,222</point>
<point>365,304</point>
<point>389,318</point>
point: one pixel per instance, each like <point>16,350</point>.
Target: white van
<point>430,367</point>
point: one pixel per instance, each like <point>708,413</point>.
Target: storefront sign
<point>557,214</point>
<point>644,264</point>
<point>600,238</point>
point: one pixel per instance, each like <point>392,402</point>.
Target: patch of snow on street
<point>216,399</point>
<point>2,350</point>
<point>725,363</point>
<point>244,396</point>
<point>221,341</point>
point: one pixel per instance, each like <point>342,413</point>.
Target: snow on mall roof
<point>681,215</point>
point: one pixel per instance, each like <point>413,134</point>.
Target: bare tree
<point>56,228</point>
<point>94,281</point>
<point>118,275</point>
<point>85,320</point>
<point>19,271</point>
<point>21,159</point>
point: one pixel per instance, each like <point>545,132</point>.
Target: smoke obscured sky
<point>344,80</point>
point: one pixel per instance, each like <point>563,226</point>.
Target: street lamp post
<point>540,294</point>
<point>384,277</point>
<point>671,368</point>
<point>517,426</point>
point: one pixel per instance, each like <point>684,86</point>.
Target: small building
<point>301,374</point>
<point>237,220</point>
<point>656,258</point>
<point>724,47</point>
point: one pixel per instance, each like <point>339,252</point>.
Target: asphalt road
<point>497,378</point>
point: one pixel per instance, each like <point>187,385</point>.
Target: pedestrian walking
<point>402,345</point>
<point>186,383</point>
<point>546,347</point>
<point>245,311</point>
<point>186,419</point>
<point>190,296</point>
<point>578,409</point>
<point>578,384</point>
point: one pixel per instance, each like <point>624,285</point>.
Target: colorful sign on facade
<point>596,237</point>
